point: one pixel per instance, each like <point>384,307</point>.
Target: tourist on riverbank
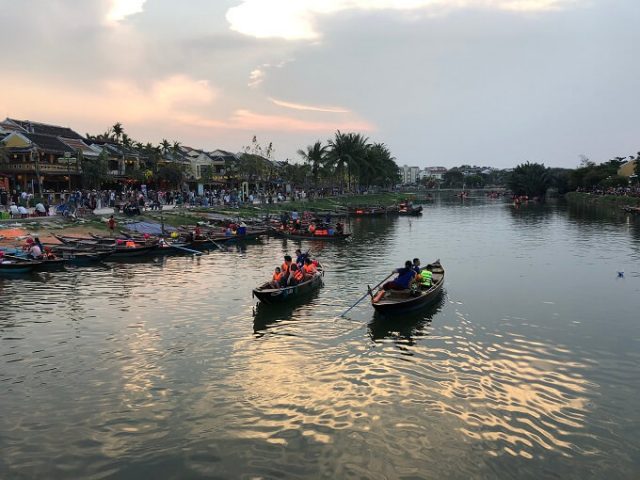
<point>111,223</point>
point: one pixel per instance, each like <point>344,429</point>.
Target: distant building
<point>409,175</point>
<point>50,152</point>
<point>433,172</point>
<point>627,169</point>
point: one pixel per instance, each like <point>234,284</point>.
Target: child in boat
<point>276,279</point>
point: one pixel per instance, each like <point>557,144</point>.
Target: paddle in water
<point>365,295</point>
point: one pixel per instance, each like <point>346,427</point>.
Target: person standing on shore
<point>111,223</point>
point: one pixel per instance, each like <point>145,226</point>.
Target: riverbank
<point>613,202</point>
<point>45,227</point>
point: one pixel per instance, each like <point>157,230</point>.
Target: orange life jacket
<point>277,276</point>
<point>130,244</point>
<point>298,275</point>
<point>310,269</point>
<point>284,268</point>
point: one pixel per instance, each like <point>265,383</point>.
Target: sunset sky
<point>441,82</point>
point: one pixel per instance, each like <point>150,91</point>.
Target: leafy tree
<point>453,178</point>
<point>347,151</point>
<point>165,146</point>
<point>172,174</point>
<point>315,157</point>
<point>95,172</point>
<point>532,179</point>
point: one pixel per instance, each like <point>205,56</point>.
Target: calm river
<point>527,368</point>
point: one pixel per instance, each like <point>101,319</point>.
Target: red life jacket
<point>298,275</point>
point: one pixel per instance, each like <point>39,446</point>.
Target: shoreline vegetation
<point>614,202</point>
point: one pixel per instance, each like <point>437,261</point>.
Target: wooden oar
<point>365,295</point>
<point>195,252</point>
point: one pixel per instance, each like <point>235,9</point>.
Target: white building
<point>433,172</point>
<point>409,175</point>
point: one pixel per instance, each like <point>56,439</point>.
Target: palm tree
<point>315,157</point>
<point>165,146</point>
<point>118,130</point>
<point>347,150</point>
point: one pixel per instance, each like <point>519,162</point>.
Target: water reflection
<point>267,315</point>
<point>407,329</point>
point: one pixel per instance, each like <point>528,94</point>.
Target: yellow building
<point>627,169</point>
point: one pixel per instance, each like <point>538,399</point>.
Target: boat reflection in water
<point>408,327</point>
<point>265,315</point>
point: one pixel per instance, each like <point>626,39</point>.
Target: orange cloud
<point>175,102</point>
<point>299,106</point>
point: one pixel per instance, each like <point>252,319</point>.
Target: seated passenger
<point>295,275</point>
<point>300,257</point>
<point>277,278</point>
<point>416,266</point>
<point>309,268</point>
<point>425,278</point>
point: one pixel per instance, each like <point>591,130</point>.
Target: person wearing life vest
<point>309,268</point>
<point>295,275</point>
<point>286,266</point>
<point>312,228</point>
<point>276,279</point>
<point>425,278</point>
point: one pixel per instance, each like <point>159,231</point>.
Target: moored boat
<point>267,294</point>
<point>17,266</point>
<point>308,236</point>
<point>394,302</point>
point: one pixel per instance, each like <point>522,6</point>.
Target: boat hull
<point>281,295</point>
<point>322,238</point>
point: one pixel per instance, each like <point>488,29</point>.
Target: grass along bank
<point>614,202</point>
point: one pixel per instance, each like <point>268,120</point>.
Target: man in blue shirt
<point>404,279</point>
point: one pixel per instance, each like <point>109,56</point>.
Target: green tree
<point>95,172</point>
<point>117,130</point>
<point>347,154</point>
<point>532,179</point>
<point>453,178</point>
<point>172,174</point>
<point>315,157</point>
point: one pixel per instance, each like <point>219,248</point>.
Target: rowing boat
<point>267,294</point>
<point>394,302</point>
<point>16,266</point>
<point>301,236</point>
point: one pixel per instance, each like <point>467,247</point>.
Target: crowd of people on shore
<point>617,191</point>
<point>133,201</point>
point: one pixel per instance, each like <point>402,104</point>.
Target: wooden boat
<point>269,295</point>
<point>395,302</point>
<point>410,210</point>
<point>366,211</point>
<point>630,209</point>
<point>49,264</point>
<point>117,251</point>
<point>250,235</point>
<point>80,257</point>
<point>308,236</point>
<point>16,266</point>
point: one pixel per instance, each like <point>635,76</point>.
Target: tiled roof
<point>45,129</point>
<point>76,144</point>
<point>49,143</point>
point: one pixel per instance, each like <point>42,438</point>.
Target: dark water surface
<point>527,368</point>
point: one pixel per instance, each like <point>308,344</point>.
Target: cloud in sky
<point>311,108</point>
<point>493,82</point>
<point>295,20</point>
<point>120,9</point>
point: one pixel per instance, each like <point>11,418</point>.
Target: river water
<point>526,368</point>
